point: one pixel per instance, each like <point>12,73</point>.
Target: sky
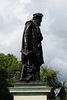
<point>14,14</point>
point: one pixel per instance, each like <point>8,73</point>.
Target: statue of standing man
<point>32,56</point>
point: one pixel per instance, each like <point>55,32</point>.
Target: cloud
<point>58,16</point>
<point>11,43</point>
<point>24,1</point>
<point>12,14</point>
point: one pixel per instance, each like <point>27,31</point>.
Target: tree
<point>62,93</point>
<point>50,77</point>
<point>11,66</point>
<point>4,92</point>
<point>9,74</point>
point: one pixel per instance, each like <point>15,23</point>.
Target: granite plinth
<point>31,97</point>
<point>30,91</point>
<point>31,83</point>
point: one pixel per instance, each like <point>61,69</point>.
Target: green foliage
<point>62,93</point>
<point>3,77</point>
<point>50,77</point>
<point>9,74</point>
<point>11,66</point>
<point>4,92</point>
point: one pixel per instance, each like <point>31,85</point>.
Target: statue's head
<point>38,18</point>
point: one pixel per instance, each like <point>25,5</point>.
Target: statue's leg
<point>37,74</point>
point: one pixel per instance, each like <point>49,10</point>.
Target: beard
<point>39,24</point>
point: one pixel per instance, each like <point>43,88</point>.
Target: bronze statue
<point>31,52</point>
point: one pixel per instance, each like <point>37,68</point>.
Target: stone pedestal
<point>30,91</point>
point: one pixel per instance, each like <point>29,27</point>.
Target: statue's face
<point>38,21</point>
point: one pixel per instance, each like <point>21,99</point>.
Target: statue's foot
<point>28,78</point>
